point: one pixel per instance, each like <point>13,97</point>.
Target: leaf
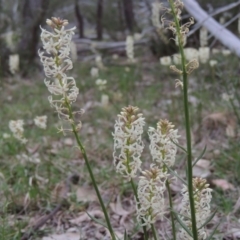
<point>175,174</point>
<point>200,156</point>
<point>97,221</point>
<point>208,220</point>
<point>213,232</point>
<point>118,209</point>
<point>179,146</point>
<point>183,224</point>
<point>85,217</point>
<point>125,235</point>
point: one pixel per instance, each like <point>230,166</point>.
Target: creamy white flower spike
<point>165,61</point>
<point>17,129</point>
<point>14,63</point>
<point>94,72</point>
<point>191,53</point>
<point>130,48</point>
<point>151,189</point>
<point>203,37</point>
<point>204,54</point>
<point>213,62</point>
<point>202,199</point>
<point>101,84</point>
<point>128,144</point>
<point>57,44</point>
<point>162,143</point>
<point>41,121</point>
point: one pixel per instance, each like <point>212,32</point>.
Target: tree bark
<point>33,15</point>
<point>79,19</point>
<point>99,19</point>
<point>129,14</point>
<point>226,37</point>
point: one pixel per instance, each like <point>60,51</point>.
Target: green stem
<point>90,171</point>
<point>171,208</point>
<point>187,125</point>
<point>139,206</point>
<point>154,232</point>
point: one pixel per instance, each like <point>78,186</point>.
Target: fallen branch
<point>226,37</point>
<point>214,13</point>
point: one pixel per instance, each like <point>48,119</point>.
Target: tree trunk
<point>99,19</point>
<point>33,15</point>
<point>79,19</point>
<point>129,14</point>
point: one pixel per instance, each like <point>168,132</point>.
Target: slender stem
<point>90,171</point>
<point>137,200</point>
<point>187,124</point>
<point>154,232</point>
<point>171,212</point>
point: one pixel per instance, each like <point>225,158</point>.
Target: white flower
<point>57,45</point>
<point>104,100</point>
<point>165,61</point>
<point>202,199</point>
<point>162,143</point>
<point>14,63</point>
<point>101,84</point>
<point>226,52</point>
<point>16,127</point>
<point>94,72</point>
<point>41,121</point>
<point>151,189</point>
<point>191,53</point>
<point>204,53</point>
<point>99,63</point>
<point>226,97</point>
<point>128,144</point>
<point>203,37</point>
<point>6,135</point>
<point>212,63</point>
<point>130,48</point>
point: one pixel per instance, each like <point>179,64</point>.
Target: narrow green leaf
<point>97,221</point>
<point>125,235</point>
<point>179,146</point>
<point>213,232</point>
<point>183,225</point>
<point>175,174</point>
<point>208,219</point>
<point>200,156</point>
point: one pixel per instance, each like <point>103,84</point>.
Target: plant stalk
<point>171,208</point>
<point>187,125</point>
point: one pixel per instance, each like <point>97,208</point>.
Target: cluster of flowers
<point>16,127</point>
<point>56,62</point>
<point>128,147</point>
